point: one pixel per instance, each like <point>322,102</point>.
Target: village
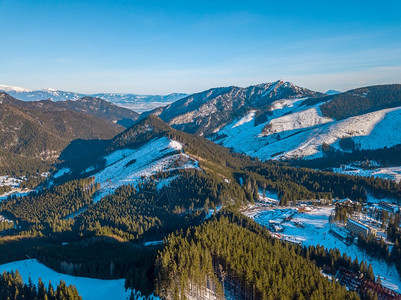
<point>319,222</point>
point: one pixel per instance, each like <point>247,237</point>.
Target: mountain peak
<point>332,92</point>
<point>17,89</point>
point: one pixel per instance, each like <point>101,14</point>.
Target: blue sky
<point>158,47</point>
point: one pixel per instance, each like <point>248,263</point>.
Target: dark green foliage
<point>34,133</point>
<point>222,252</point>
<point>362,100</point>
<point>302,182</point>
<point>386,157</point>
<point>153,213</point>
<point>102,109</point>
<point>374,247</point>
<point>52,204</point>
<point>6,225</point>
<point>13,287</point>
<point>4,189</point>
<point>104,258</point>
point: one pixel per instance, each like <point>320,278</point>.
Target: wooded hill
<point>223,256</point>
<point>33,133</point>
<point>359,101</point>
<point>13,287</point>
<point>102,109</point>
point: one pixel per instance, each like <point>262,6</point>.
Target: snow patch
<point>62,172</point>
<point>246,119</point>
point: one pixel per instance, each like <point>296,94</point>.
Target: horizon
<point>156,48</point>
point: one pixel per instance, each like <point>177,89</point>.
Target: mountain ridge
<point>130,101</point>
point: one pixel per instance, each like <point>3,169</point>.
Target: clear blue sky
<point>158,47</point>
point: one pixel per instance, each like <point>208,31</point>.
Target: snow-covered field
<point>10,181</point>
<point>88,288</point>
<point>14,184</point>
<point>312,228</point>
<point>393,173</point>
<point>130,166</point>
<point>294,130</point>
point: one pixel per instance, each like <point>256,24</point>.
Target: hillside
<point>102,109</point>
<point>363,100</point>
<point>40,131</point>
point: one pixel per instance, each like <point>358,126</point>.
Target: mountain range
<point>280,120</point>
<point>138,103</point>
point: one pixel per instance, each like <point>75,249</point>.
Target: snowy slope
<point>88,288</point>
<point>294,131</point>
<point>129,166</point>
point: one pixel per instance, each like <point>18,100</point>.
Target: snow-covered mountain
<point>138,103</point>
<point>297,128</point>
<point>282,121</point>
<point>148,148</point>
<point>207,112</point>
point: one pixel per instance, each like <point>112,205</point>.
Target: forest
<point>361,101</point>
<point>13,287</point>
<point>222,255</point>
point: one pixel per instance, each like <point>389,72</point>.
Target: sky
<point>160,47</point>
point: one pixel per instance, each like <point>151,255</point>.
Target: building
<point>389,206</point>
<point>358,228</point>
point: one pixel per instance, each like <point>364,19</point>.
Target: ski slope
<point>130,166</point>
<point>297,131</point>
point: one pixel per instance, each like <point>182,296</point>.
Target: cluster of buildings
<point>358,283</point>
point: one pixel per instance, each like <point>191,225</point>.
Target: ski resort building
<point>358,228</point>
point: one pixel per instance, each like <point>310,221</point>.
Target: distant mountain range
<point>137,103</point>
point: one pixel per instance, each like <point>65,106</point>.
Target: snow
<point>7,88</point>
<point>130,166</point>
<point>88,288</point>
<point>393,173</point>
<point>302,119</point>
<point>300,131</point>
<point>153,243</point>
<point>14,193</point>
<point>62,172</point>
<point>315,231</point>
<point>10,181</point>
<point>246,119</point>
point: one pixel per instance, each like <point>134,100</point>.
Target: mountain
<point>40,130</point>
<point>282,121</point>
<point>205,113</point>
<point>138,103</point>
<point>332,92</point>
<point>149,147</point>
<point>366,118</point>
<point>43,94</point>
<point>102,109</point>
